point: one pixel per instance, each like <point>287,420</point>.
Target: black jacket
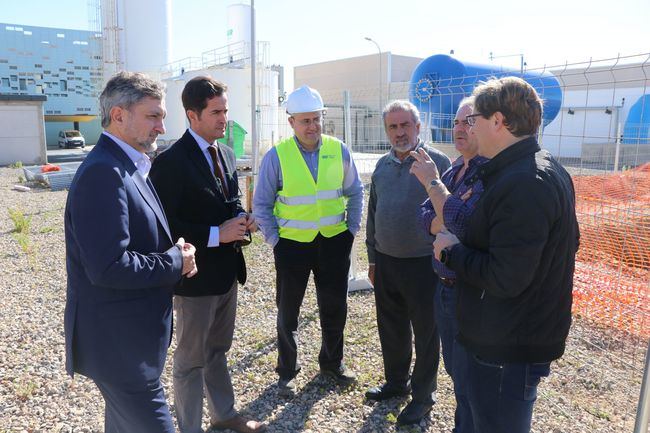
<point>515,265</point>
<point>194,201</point>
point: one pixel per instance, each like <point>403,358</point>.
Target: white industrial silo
<point>137,35</point>
<point>239,27</point>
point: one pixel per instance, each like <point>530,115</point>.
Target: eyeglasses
<point>471,119</point>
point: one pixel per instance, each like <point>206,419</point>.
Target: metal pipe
<point>380,75</point>
<point>254,142</point>
<point>643,409</point>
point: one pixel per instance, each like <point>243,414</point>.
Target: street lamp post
<point>379,54</point>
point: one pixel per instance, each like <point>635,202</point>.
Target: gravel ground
<point>594,388</point>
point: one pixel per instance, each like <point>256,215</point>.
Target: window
<point>14,77</point>
<point>39,89</point>
<point>63,85</point>
<point>60,35</point>
<point>5,82</point>
<point>23,84</point>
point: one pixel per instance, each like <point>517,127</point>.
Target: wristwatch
<point>445,254</point>
<point>434,182</point>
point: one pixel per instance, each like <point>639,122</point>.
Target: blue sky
<point>547,32</point>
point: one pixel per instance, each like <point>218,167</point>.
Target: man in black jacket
<point>196,180</point>
<point>516,260</point>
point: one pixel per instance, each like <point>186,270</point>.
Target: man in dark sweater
<point>400,267</point>
<point>515,262</point>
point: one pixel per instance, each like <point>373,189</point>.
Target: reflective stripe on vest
<point>304,208</point>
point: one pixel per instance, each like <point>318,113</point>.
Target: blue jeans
<point>502,396</point>
<point>453,354</point>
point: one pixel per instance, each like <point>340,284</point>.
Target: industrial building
<point>60,64</point>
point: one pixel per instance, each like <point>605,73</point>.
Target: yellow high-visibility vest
<point>303,207</point>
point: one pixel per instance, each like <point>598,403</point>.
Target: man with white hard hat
<point>308,203</point>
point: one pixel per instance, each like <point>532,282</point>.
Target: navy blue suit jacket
<point>122,267</point>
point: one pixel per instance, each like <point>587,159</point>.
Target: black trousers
<point>329,260</point>
<point>404,296</point>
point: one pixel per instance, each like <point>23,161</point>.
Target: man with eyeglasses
<point>399,257</point>
<point>196,179</point>
<point>514,264</point>
<point>308,202</point>
<point>449,212</point>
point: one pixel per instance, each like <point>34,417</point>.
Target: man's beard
<point>404,147</point>
<point>149,146</point>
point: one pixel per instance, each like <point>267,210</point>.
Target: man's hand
<point>423,167</point>
<point>251,223</point>
<point>443,240</point>
<point>232,230</point>
<point>371,274</point>
<point>189,264</point>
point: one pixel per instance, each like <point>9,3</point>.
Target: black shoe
<point>414,412</point>
<point>286,388</point>
<point>341,375</point>
<point>386,391</point>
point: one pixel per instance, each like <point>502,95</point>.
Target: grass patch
<point>17,164</point>
<point>22,223</point>
<point>25,389</point>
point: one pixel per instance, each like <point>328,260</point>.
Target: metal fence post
<point>355,282</point>
<point>643,409</point>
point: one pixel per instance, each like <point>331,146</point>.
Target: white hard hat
<point>304,100</point>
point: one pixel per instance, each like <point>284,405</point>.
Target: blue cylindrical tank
<point>637,124</point>
<point>440,82</point>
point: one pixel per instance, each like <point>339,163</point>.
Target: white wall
<point>589,125</point>
<point>22,133</point>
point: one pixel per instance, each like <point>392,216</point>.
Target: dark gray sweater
<point>394,206</point>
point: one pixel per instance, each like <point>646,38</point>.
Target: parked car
<point>71,138</point>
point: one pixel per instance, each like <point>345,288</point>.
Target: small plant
<point>21,178</point>
<point>25,389</point>
<point>22,226</point>
<point>21,222</point>
<point>391,418</point>
<point>17,164</point>
<point>24,242</point>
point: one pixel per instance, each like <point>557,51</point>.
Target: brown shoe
<point>240,424</point>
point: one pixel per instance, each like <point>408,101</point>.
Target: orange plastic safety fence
<point>612,278</point>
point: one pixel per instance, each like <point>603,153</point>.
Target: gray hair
<point>466,101</point>
<point>401,105</point>
<point>126,89</point>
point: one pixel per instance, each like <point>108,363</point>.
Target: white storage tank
<point>137,35</point>
<point>239,25</point>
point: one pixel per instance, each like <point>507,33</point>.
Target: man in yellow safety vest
<point>308,203</point>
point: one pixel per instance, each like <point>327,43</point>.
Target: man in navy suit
<point>122,263</point>
<point>197,182</point>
